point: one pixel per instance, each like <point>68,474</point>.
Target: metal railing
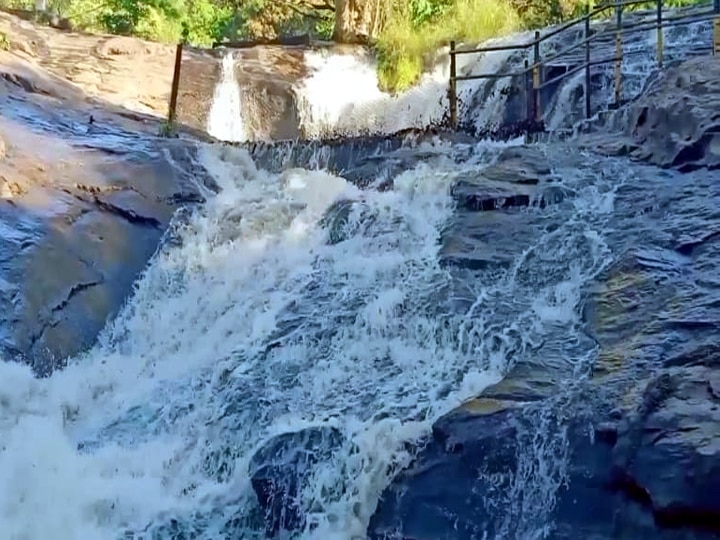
<point>533,71</point>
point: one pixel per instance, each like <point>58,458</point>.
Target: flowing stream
<point>262,314</point>
<point>152,430</point>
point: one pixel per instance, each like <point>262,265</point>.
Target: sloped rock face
<point>675,122</point>
<point>77,233</point>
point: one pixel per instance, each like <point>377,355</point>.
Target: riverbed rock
<point>79,230</point>
<point>511,464</point>
<point>478,240</point>
<point>280,470</point>
<point>673,124</point>
<point>519,176</point>
<point>621,312</point>
<point>467,463</point>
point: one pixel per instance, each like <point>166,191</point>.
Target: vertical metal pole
<point>716,27</point>
<point>527,82</point>
<point>618,54</point>
<point>537,110</point>
<point>587,61</point>
<point>175,85</point>
<point>452,96</point>
<point>660,33</point>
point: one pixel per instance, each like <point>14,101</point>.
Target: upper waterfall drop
<point>330,91</point>
<point>225,121</point>
<point>342,94</point>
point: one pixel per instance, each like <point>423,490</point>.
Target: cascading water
<point>225,121</point>
<point>341,94</point>
<point>265,314</point>
<point>251,323</point>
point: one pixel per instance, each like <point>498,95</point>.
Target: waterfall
<point>339,94</point>
<point>293,299</point>
<point>153,429</point>
<point>342,95</point>
<point>225,120</point>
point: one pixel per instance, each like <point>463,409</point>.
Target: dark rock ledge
<point>631,451</point>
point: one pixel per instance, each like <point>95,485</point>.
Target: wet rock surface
<point>508,465</point>
<point>283,467</point>
<point>627,450</point>
<point>83,209</point>
<point>267,77</point>
<point>673,124</point>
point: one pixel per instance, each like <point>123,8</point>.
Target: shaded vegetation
<point>405,33</point>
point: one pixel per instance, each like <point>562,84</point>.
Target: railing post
<point>587,60</point>
<point>716,27</point>
<point>537,110</point>
<point>452,93</point>
<point>660,33</point>
<point>175,86</point>
<point>527,93</point>
<point>618,53</point>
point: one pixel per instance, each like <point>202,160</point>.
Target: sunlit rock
<point>70,252</point>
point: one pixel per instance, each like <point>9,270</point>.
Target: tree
<point>359,21</point>
<point>351,21</point>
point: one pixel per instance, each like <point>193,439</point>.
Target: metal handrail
<point>629,29</point>
<point>620,29</point>
<point>552,33</point>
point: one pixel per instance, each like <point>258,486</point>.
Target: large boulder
<point>511,467</point>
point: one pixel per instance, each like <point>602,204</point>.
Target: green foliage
<point>424,11</point>
<point>418,29</point>
<point>4,42</point>
<point>324,28</point>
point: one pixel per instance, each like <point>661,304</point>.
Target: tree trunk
<point>356,21</point>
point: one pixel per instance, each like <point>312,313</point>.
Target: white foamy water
<point>225,120</point>
<point>342,94</point>
<point>158,422</point>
